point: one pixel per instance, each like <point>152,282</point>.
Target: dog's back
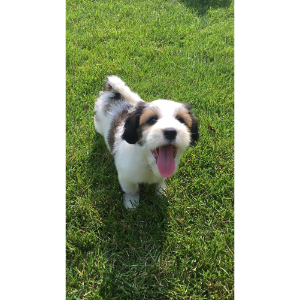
<point>114,102</point>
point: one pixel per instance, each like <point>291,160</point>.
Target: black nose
<point>170,134</point>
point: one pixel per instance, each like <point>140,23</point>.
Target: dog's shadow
<point>132,239</point>
<point>202,6</point>
<point>101,169</point>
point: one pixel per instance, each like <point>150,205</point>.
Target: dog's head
<point>164,129</point>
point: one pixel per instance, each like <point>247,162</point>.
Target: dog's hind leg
<point>131,190</point>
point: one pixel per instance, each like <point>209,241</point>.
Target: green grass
<point>179,246</point>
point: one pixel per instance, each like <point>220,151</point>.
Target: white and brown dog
<point>146,139</point>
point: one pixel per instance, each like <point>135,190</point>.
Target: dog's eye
<point>152,120</point>
<point>180,119</point>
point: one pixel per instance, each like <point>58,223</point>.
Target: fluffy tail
<point>116,85</point>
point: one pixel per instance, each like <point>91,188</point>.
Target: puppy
<point>146,139</point>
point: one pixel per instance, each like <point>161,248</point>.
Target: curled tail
<point>116,85</point>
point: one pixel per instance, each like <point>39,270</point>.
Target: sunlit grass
<point>179,246</point>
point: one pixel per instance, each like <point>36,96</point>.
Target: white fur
<point>134,162</point>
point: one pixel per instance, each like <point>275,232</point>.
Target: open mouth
<point>165,161</point>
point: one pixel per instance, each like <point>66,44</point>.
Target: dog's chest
<point>146,175</point>
<point>135,166</point>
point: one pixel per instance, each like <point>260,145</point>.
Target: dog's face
<point>163,129</point>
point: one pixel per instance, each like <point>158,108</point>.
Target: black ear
<point>194,130</point>
<point>130,134</point>
<point>194,127</point>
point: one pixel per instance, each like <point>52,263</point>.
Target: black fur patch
<point>117,96</point>
<point>194,127</point>
<point>131,133</point>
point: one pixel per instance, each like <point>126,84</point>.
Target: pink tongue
<point>165,161</point>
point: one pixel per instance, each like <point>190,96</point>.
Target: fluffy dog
<point>146,139</point>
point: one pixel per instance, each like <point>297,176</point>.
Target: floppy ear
<point>130,134</point>
<point>194,130</point>
<point>194,127</point>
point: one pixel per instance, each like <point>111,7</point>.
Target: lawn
<point>180,246</point>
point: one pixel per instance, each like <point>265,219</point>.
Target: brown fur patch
<point>113,128</point>
<point>147,114</point>
<point>139,133</point>
<point>107,86</point>
<point>143,128</point>
<point>186,116</point>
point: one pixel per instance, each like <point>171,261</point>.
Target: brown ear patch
<point>147,114</point>
<point>113,129</point>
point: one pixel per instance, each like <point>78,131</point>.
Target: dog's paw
<point>160,191</point>
<point>161,188</point>
<point>131,201</point>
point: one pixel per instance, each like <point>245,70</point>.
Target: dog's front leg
<point>131,190</point>
<point>161,187</point>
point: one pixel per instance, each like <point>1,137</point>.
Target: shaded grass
<point>175,247</point>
